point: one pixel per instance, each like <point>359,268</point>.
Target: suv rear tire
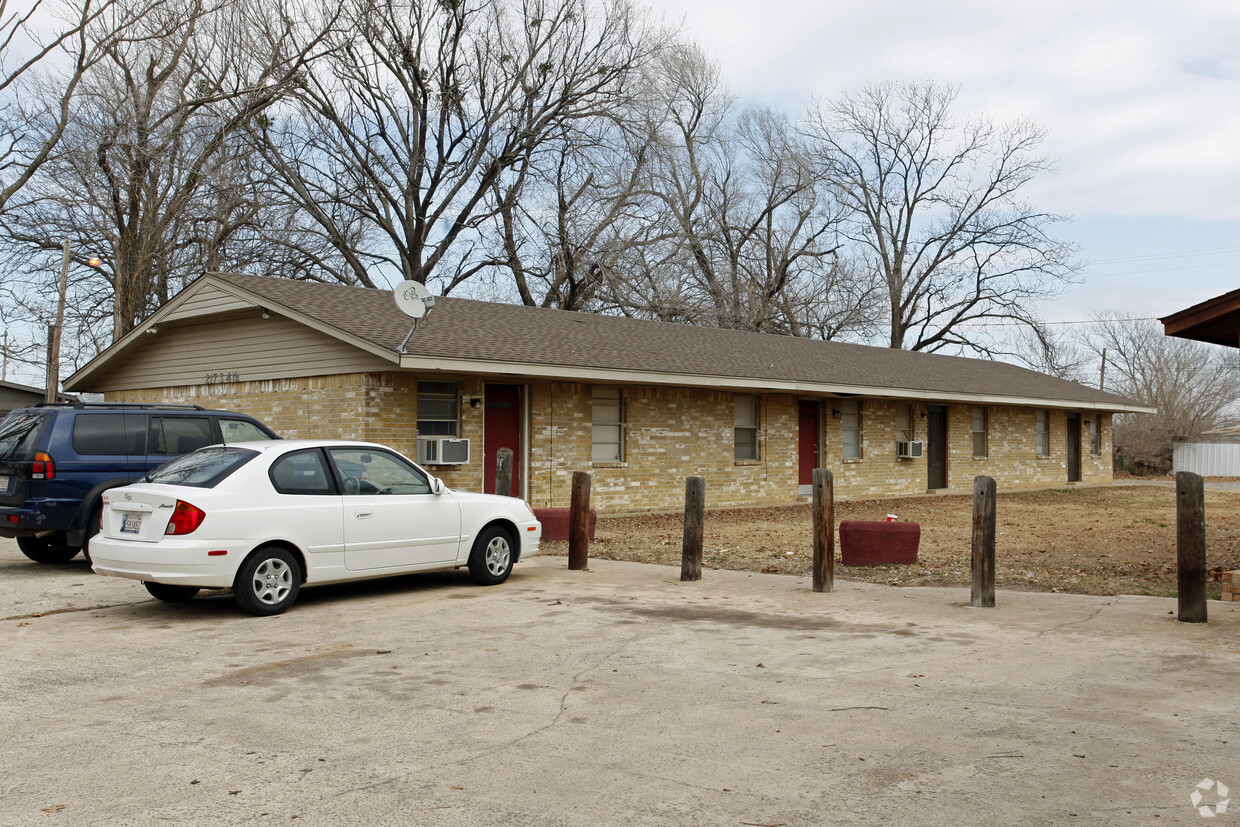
<point>51,549</point>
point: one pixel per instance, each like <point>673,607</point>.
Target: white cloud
<point>1141,98</point>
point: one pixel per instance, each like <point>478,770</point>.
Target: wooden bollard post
<point>1190,546</point>
<point>503,472</point>
<point>695,522</point>
<point>984,497</point>
<point>824,530</point>
<point>579,522</point>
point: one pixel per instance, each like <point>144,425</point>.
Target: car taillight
<point>43,468</point>
<point>185,518</point>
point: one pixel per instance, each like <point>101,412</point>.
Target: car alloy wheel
<point>268,581</point>
<point>490,561</point>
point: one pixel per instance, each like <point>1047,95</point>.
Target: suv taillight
<point>43,468</point>
<point>185,518</point>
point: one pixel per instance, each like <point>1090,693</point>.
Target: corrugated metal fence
<point>1209,459</point>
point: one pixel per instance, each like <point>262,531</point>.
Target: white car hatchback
<point>266,518</point>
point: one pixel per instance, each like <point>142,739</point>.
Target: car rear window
<point>204,468</point>
<point>20,432</point>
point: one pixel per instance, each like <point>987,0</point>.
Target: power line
<point>1163,270</point>
<point>1211,251</point>
<point>988,323</point>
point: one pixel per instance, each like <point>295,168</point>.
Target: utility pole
<point>53,339</point>
<point>1102,376</point>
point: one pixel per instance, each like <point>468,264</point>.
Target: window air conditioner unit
<point>442,450</point>
<point>908,450</point>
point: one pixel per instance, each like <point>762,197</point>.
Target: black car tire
<point>51,549</point>
<point>490,561</point>
<point>267,582</point>
<point>171,594</point>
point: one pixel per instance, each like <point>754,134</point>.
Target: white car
<point>264,518</point>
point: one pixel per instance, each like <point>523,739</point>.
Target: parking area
<point>613,696</point>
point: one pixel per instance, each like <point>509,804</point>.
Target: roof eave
<point>582,374</point>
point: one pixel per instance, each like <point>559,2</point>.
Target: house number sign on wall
<point>223,377</point>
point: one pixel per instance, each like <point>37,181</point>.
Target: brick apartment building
<point>640,405</point>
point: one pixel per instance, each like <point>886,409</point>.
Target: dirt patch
<point>1109,540</point>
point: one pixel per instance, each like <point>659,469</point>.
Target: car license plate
<point>4,484</point>
<point>131,524</point>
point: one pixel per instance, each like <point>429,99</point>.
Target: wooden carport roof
<point>1216,321</point>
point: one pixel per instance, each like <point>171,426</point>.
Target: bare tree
<point>1195,386</point>
<point>934,205</point>
<point>1060,354</point>
<point>39,40</point>
<point>566,217</point>
<point>151,175</point>
<point>403,135</point>
<point>742,231</point>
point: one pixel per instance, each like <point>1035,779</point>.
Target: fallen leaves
<point>1045,547</point>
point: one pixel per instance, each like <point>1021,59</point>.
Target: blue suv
<point>56,460</point>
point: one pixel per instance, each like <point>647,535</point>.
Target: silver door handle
<point>364,514</point>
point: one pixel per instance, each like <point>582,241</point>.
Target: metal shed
<point>1211,454</point>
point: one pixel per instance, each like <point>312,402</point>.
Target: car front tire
<point>47,549</point>
<point>170,594</point>
<point>490,561</point>
<point>268,581</point>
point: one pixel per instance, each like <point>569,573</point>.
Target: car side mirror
<point>437,486</point>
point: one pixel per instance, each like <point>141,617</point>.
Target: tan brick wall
<point>369,406</point>
<point>375,407</point>
<point>670,434</point>
<point>878,471</point>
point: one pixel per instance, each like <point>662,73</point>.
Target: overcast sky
<point>1141,98</point>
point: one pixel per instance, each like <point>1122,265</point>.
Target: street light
<point>53,333</point>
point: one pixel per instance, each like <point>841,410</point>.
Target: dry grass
<point>1109,540</point>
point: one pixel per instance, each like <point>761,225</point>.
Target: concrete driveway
<point>613,696</point>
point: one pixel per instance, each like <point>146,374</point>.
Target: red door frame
<point>807,441</point>
<point>501,428</point>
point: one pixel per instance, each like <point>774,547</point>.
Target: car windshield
<point>19,434</point>
<point>204,468</point>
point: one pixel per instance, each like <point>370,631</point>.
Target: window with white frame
<point>745,431</point>
<point>905,417</point>
<point>979,431</point>
<point>1044,432</point>
<point>850,428</point>
<point>1095,434</point>
<point>608,420</point>
<point>438,409</point>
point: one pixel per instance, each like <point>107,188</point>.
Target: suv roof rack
<point>80,405</point>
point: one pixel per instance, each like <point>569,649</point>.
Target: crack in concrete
<point>71,609</point>
<point>573,680</point>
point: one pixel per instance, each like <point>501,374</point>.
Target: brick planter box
<point>871,543</point>
<point>1231,586</point>
<point>555,522</point>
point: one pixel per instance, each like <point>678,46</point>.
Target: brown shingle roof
<point>463,329</point>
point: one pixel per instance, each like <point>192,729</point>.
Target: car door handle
<point>363,513</point>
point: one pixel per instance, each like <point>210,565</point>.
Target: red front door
<point>807,442</point>
<point>502,429</point>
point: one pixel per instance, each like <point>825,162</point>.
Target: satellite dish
<point>411,297</point>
